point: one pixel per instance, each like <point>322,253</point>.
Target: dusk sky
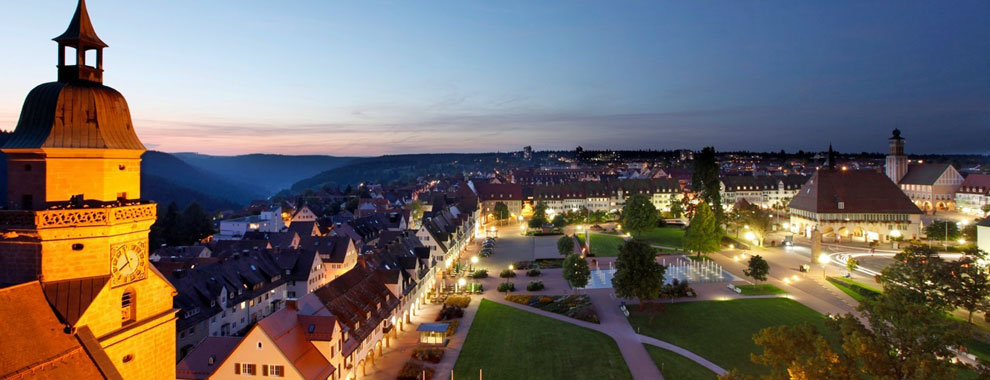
<point>376,77</point>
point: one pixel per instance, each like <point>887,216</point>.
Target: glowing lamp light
<point>895,233</point>
<point>823,259</point>
<point>750,236</point>
<point>962,241</point>
<point>512,267</point>
<point>474,260</point>
<point>618,226</point>
<point>462,282</point>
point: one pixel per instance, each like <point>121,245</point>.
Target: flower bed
<point>450,312</point>
<point>549,263</point>
<point>414,371</point>
<point>574,306</point>
<point>459,301</point>
<point>428,354</point>
<point>452,327</point>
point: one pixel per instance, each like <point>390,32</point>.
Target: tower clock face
<point>128,263</point>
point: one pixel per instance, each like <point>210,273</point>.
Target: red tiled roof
<point>35,344</point>
<point>859,191</point>
<point>197,365</point>
<point>976,184</point>
<point>285,329</point>
<point>499,192</point>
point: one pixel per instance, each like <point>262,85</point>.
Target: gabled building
<point>861,205</point>
<point>763,191</point>
<point>930,186</point>
<point>973,194</point>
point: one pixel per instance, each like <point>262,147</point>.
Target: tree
<point>705,181</point>
<point>942,230</point>
<point>501,211</point>
<point>905,340</point>
<point>165,231</point>
<point>540,212</point>
<point>920,275</point>
<point>565,245</point>
<point>758,268</point>
<point>196,224</point>
<point>852,264</point>
<point>559,221</point>
<point>969,233</point>
<point>970,287</point>
<point>637,272</point>
<point>676,208</point>
<point>576,271</point>
<point>639,214</point>
<point>415,211</point>
<point>703,235</point>
<point>753,216</point>
<point>351,204</point>
<point>986,209</point>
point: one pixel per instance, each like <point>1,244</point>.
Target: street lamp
<point>823,259</point>
<point>460,284</point>
<point>474,260</point>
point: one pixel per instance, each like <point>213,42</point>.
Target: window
<point>128,307</point>
<point>77,247</point>
<point>272,370</point>
<point>249,369</point>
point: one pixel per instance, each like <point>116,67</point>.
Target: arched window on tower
<point>128,307</point>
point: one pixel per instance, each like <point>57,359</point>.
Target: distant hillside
<point>174,178</point>
<point>406,168</point>
<point>269,172</point>
<point>165,191</point>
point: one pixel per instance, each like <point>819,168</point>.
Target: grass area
<point>603,245</point>
<point>760,290</point>
<point>857,290</point>
<point>508,343</point>
<point>875,288</point>
<point>722,331</point>
<point>674,366</point>
<point>665,236</point>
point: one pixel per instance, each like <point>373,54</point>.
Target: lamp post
<point>460,284</point>
<point>823,259</point>
<point>474,260</point>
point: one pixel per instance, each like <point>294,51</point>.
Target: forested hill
<point>269,172</point>
<point>401,169</point>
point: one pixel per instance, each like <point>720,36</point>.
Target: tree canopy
<point>637,272</point>
<point>705,180</point>
<point>758,268</point>
<point>703,236</point>
<point>501,211</point>
<point>639,214</point>
<point>576,271</point>
<point>942,230</point>
<point>565,245</point>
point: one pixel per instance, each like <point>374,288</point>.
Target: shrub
<point>545,299</point>
<point>414,371</point>
<point>506,287</point>
<point>428,354</point>
<point>519,298</point>
<point>534,286</point>
<point>459,301</point>
<point>507,273</point>
<point>523,265</point>
<point>533,272</point>
<point>450,312</point>
<point>452,327</point>
<point>480,273</point>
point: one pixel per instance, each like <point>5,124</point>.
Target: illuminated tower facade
<point>897,162</point>
<point>75,220</point>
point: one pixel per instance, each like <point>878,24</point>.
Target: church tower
<point>897,162</point>
<point>75,220</point>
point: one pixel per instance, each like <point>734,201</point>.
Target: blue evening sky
<point>374,77</point>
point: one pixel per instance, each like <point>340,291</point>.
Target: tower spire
<point>831,158</point>
<point>80,31</point>
<point>80,37</point>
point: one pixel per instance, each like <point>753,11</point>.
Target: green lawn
<point>674,366</point>
<point>760,290</point>
<point>857,290</point>
<point>605,245</point>
<point>666,236</point>
<point>722,331</point>
<point>508,343</point>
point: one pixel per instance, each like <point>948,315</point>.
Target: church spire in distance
<point>80,37</point>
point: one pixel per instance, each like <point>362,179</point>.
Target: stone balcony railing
<point>77,217</point>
